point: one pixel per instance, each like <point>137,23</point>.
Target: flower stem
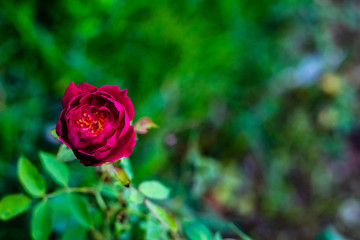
<point>100,200</point>
<point>68,190</point>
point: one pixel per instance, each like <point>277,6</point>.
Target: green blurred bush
<point>252,128</point>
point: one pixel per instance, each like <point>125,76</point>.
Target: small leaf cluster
<point>34,184</point>
<point>111,208</point>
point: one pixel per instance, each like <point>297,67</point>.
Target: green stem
<point>100,200</point>
<point>103,207</point>
<point>68,190</point>
<point>107,230</point>
<point>240,233</point>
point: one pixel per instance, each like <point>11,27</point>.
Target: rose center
<point>95,125</point>
<point>92,123</point>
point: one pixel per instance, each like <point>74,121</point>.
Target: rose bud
<point>143,125</point>
<point>95,123</point>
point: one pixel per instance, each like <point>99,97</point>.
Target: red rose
<point>95,123</point>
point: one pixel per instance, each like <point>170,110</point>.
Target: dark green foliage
<point>80,209</point>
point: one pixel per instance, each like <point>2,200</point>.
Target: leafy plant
<point>110,208</point>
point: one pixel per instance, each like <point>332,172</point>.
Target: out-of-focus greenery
<point>256,103</point>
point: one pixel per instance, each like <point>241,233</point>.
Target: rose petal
<point>124,125</point>
<point>107,143</point>
<point>59,124</point>
<point>74,90</point>
<point>87,160</point>
<point>85,87</point>
<point>124,146</point>
<point>121,97</point>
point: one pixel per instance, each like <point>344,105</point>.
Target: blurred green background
<point>257,102</point>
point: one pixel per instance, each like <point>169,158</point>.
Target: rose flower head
<point>95,123</point>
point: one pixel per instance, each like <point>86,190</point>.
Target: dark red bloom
<point>95,123</point>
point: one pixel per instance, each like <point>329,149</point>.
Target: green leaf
<point>109,191</point>
<point>80,209</point>
<point>162,215</point>
<point>74,232</point>
<point>154,229</point>
<point>57,170</point>
<point>30,178</point>
<point>54,134</point>
<point>240,233</point>
<point>13,205</point>
<point>122,177</point>
<point>196,231</point>
<point>42,220</point>
<point>65,154</point>
<point>136,196</point>
<point>217,236</point>
<point>154,190</point>
<point>96,235</point>
<point>330,233</point>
